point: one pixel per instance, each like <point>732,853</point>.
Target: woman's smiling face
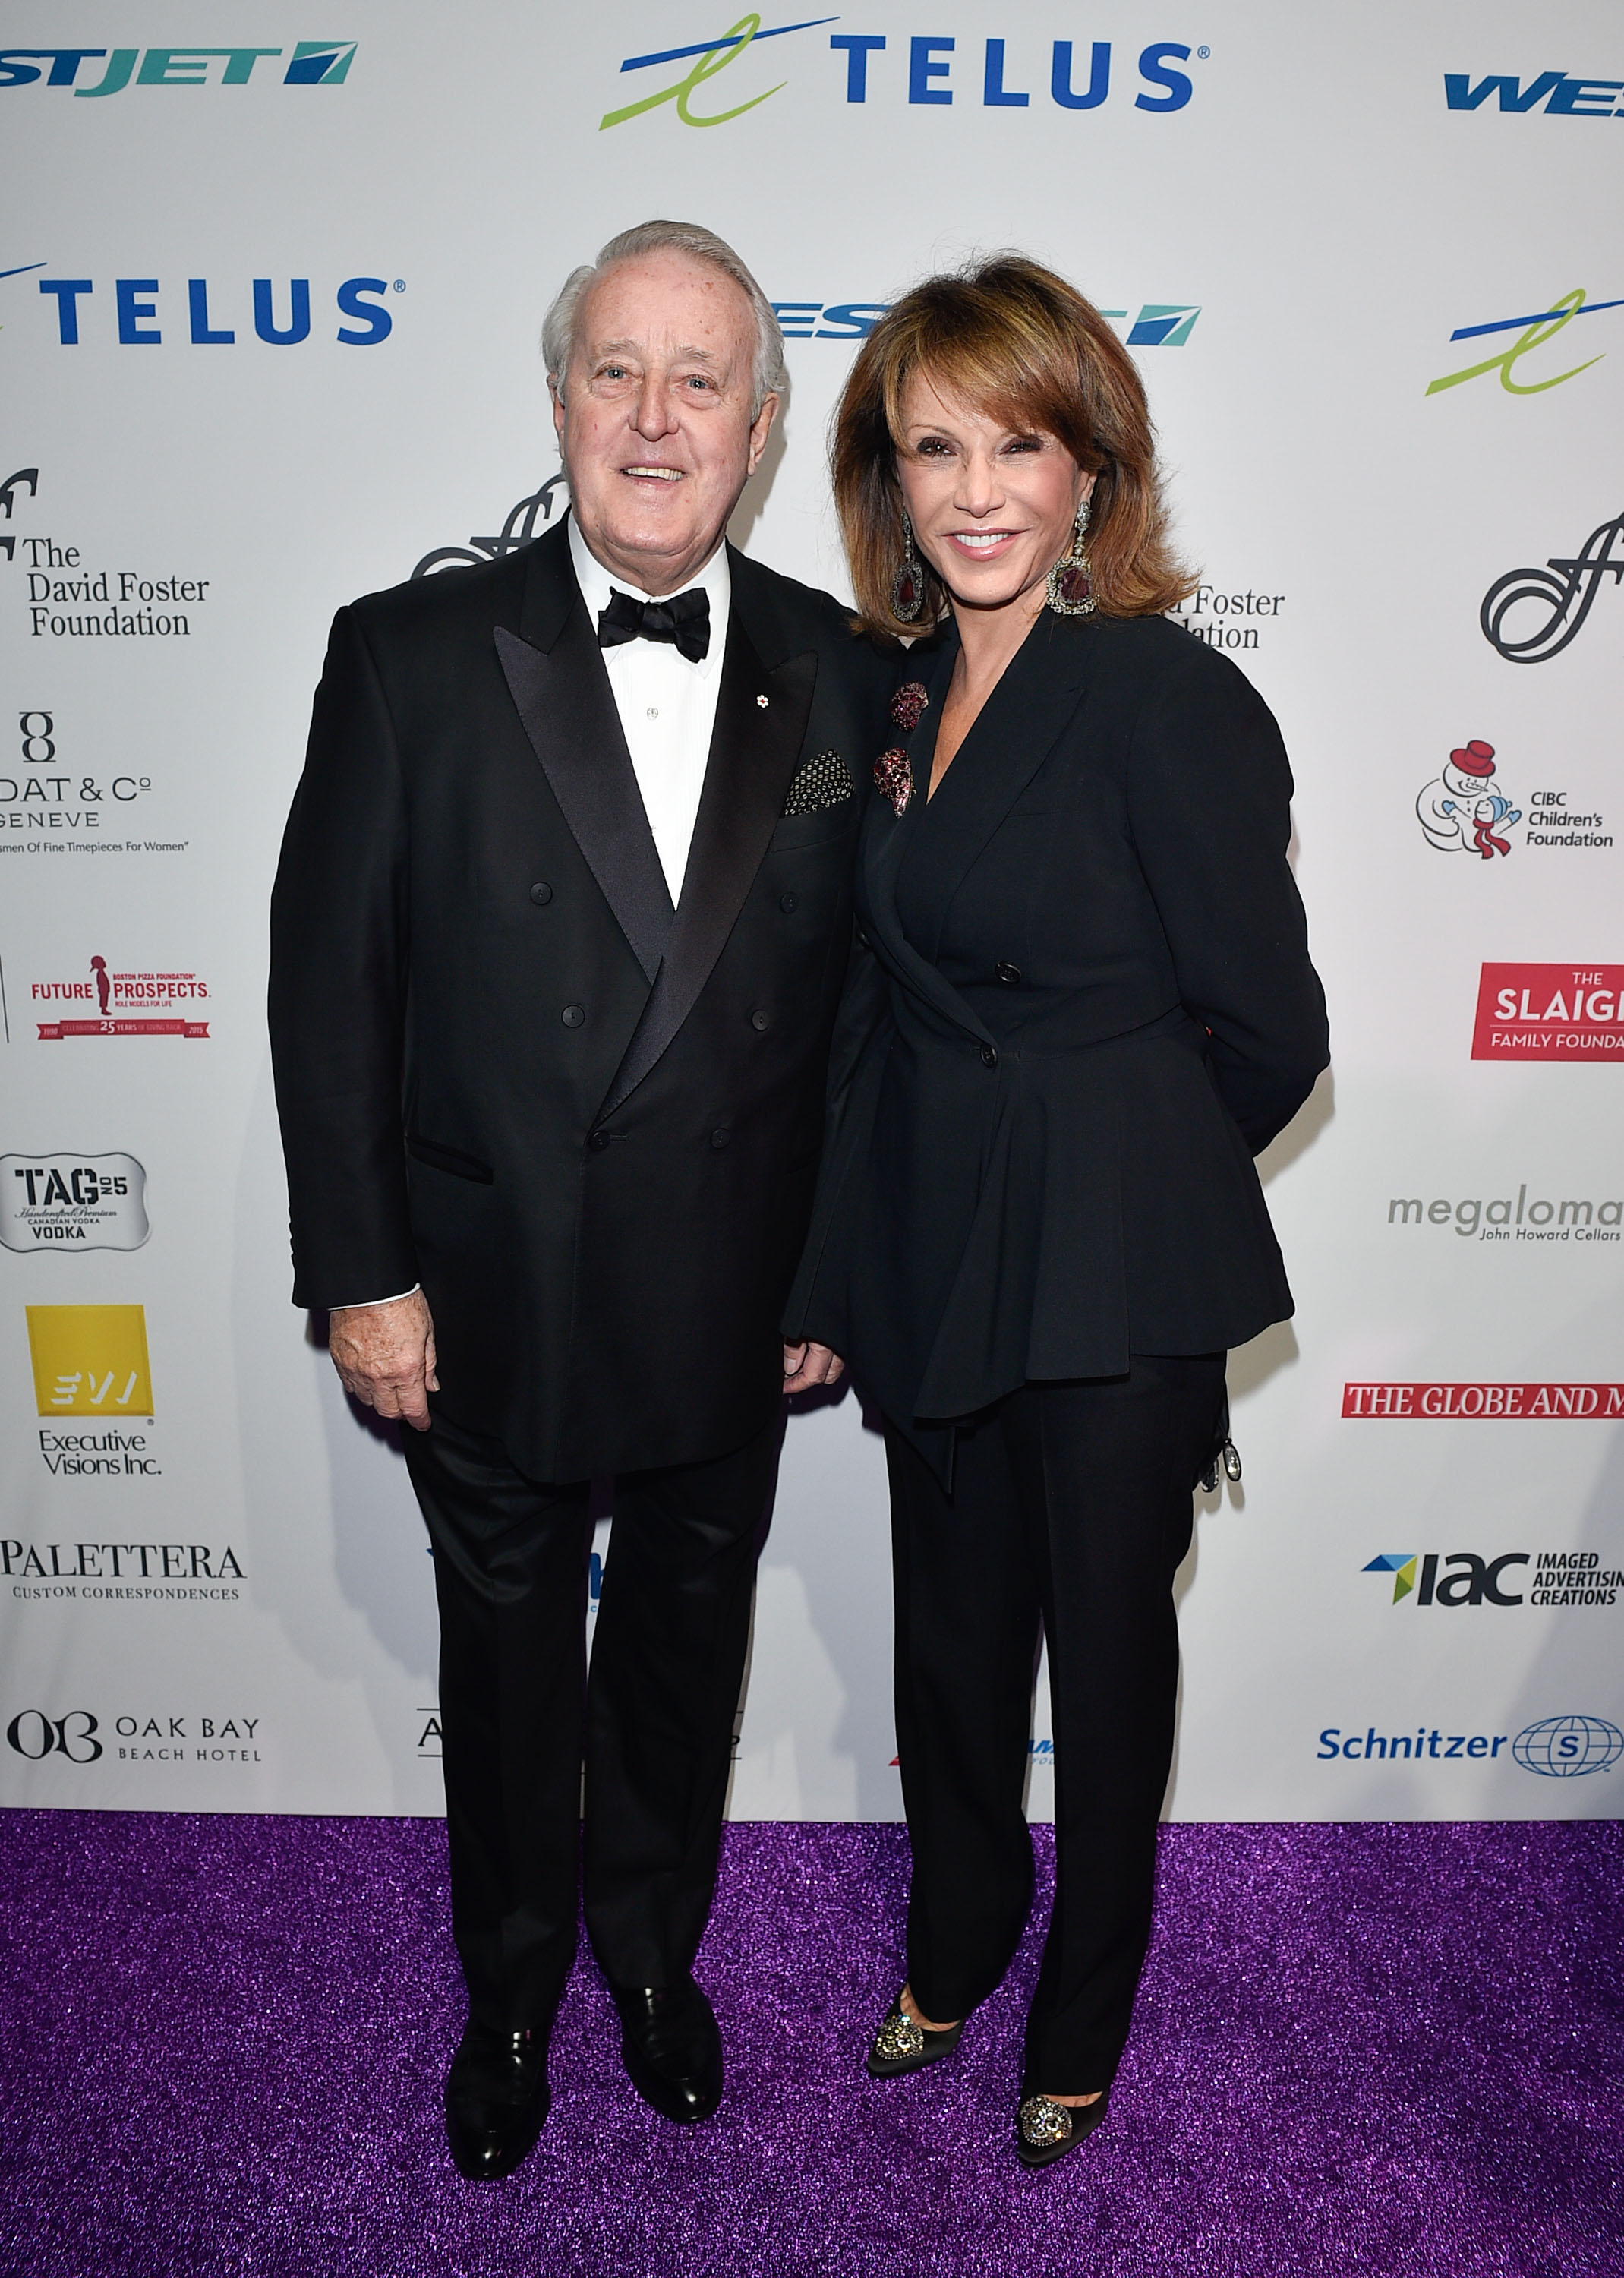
<point>992,506</point>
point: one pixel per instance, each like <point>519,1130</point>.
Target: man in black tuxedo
<point>557,935</point>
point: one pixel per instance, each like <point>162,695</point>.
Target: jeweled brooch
<point>908,705</point>
<point>894,779</point>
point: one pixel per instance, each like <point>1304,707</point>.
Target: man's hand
<point>385,1356</point>
<point>808,1365</point>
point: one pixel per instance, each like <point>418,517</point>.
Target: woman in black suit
<point>1083,1003</point>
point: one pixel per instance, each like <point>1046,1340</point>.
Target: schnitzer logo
<point>1483,1403</point>
<point>109,1004</point>
<point>1550,1012</point>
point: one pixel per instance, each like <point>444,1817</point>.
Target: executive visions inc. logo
<point>867,62</point>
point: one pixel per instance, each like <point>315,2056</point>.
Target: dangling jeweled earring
<point>908,586</point>
<point>1070,581</point>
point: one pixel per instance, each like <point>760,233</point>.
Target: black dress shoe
<point>671,2048</point>
<point>496,2099</point>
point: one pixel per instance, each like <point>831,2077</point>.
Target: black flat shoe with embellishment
<point>1045,2131</point>
<point>901,2045</point>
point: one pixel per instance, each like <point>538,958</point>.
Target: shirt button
<point>598,1141</point>
<point>760,1021</point>
<point>1009,973</point>
<point>652,713</point>
<point>989,1057</point>
<point>788,902</point>
<point>573,1015</point>
<point>719,1139</point>
<point>541,894</point>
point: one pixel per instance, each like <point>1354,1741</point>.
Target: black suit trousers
<point>654,1722</point>
<point>1070,1513</point>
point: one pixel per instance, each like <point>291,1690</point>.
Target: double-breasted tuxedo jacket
<point>1087,1003</point>
<point>588,1124</point>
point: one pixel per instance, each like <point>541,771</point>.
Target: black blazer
<point>1089,1004</point>
<point>505,1068</point>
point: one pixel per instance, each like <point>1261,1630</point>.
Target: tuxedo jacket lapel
<point>755,746</point>
<point>558,684</point>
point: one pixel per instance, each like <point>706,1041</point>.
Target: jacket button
<point>1009,973</point>
<point>598,1141</point>
<point>989,1056</point>
<point>541,894</point>
<point>573,1015</point>
<point>760,1022</point>
<point>719,1138</point>
<point>788,902</point>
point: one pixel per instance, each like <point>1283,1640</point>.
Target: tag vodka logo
<point>313,63</point>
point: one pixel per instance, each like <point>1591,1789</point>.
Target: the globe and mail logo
<point>1566,1748</point>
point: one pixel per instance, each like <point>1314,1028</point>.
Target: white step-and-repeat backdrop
<point>268,324</point>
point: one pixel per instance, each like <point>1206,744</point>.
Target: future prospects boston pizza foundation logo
<point>109,1003</point>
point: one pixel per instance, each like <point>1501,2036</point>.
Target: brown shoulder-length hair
<point>1010,337</point>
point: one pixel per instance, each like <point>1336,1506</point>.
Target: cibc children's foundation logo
<point>1550,1012</point>
<point>1462,811</point>
<point>90,1360</point>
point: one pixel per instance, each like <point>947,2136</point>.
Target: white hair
<point>559,328</point>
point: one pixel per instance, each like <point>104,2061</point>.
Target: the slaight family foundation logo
<point>90,1360</point>
<point>1461,811</point>
<point>123,1004</point>
<point>1550,1012</point>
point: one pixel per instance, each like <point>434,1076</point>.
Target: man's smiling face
<point>654,415</point>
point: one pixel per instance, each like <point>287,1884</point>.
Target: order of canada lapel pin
<point>761,701</point>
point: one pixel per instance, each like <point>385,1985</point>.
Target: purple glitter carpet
<point>1388,2050</point>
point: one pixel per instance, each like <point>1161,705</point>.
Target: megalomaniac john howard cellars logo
<point>131,1004</point>
<point>1551,604</point>
<point>84,1202</point>
<point>1550,1012</point>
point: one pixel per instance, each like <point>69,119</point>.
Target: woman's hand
<point>807,1365</point>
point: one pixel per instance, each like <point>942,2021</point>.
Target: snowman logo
<point>1460,812</point>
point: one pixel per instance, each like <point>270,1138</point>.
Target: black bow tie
<point>684,621</point>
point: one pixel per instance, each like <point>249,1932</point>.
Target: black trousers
<point>653,1725</point>
<point>1071,1509</point>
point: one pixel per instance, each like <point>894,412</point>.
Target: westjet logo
<point>1556,93</point>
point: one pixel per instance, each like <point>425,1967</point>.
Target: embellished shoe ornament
<point>904,2045</point>
<point>1045,2131</point>
<point>894,779</point>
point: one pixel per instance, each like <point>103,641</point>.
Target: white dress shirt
<point>668,705</point>
<point>667,708</point>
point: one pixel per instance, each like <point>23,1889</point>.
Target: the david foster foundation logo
<point>1550,1012</point>
<point>106,1001</point>
<point>1529,615</point>
<point>1515,1577</point>
<point>73,1202</point>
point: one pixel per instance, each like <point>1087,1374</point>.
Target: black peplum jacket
<point>1085,1004</point>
